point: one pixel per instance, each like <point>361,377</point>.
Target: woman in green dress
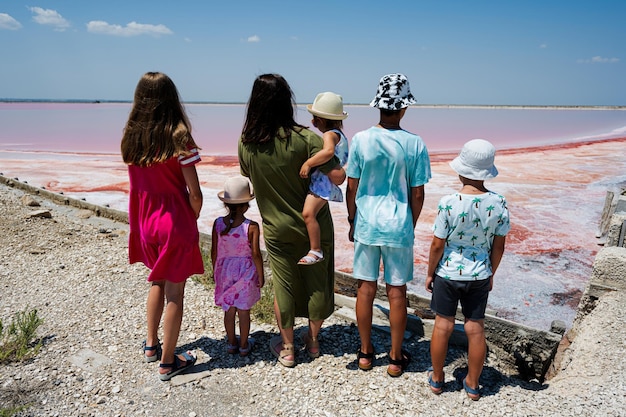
<point>272,149</point>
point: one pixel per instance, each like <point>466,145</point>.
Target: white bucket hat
<point>476,160</point>
<point>393,93</point>
<point>236,191</point>
<point>328,106</point>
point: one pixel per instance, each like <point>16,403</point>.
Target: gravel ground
<point>73,269</point>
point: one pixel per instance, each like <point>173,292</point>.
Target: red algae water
<point>556,166</point>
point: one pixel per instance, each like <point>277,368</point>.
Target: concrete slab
<point>89,360</point>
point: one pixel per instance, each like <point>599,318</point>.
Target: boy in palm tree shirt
<point>468,243</point>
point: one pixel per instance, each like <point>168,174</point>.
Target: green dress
<point>273,169</point>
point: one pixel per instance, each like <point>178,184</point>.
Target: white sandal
<point>311,258</point>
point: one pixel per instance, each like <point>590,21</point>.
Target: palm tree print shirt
<point>468,223</point>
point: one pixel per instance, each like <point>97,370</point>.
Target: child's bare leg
<point>172,319</point>
<point>397,322</point>
<point>439,345</point>
<point>229,326</point>
<point>312,206</point>
<point>476,350</point>
<point>244,328</point>
<point>364,312</point>
<point>154,311</point>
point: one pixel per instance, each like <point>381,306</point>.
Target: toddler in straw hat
<point>327,111</point>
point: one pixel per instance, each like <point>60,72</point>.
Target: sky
<point>504,52</point>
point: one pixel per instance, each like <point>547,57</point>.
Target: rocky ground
<point>72,267</point>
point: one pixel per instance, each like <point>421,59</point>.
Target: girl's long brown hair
<point>157,128</point>
<point>269,109</point>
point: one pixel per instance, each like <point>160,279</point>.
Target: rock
<point>46,214</point>
<point>29,201</point>
<point>84,214</point>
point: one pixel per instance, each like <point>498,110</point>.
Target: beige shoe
<point>312,346</point>
<point>281,351</point>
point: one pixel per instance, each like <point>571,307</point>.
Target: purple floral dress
<point>234,271</point>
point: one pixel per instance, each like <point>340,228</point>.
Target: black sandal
<point>402,363</point>
<point>370,356</point>
<point>156,348</point>
<point>177,367</point>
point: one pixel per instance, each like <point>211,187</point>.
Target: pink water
<point>555,193</point>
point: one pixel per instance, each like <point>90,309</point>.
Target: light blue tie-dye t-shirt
<point>388,163</point>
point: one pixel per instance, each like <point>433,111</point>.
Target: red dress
<point>163,228</point>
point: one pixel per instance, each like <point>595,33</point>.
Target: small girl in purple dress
<point>237,263</point>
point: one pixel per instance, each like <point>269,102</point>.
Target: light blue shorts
<point>397,263</point>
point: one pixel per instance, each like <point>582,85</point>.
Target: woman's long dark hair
<point>270,108</point>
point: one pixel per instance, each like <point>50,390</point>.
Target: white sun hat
<point>476,160</point>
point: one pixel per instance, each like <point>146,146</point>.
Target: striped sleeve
<point>190,159</point>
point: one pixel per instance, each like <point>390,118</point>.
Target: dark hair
<point>157,127</point>
<point>231,209</point>
<point>387,112</point>
<point>331,124</point>
<point>269,109</point>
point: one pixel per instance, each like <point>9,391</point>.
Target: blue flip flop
<point>176,367</point>
<point>472,393</point>
<point>435,386</point>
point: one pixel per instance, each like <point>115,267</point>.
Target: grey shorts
<point>471,294</point>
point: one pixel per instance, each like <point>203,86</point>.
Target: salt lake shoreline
<point>73,269</point>
<point>423,106</point>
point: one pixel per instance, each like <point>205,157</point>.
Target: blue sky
<point>539,52</point>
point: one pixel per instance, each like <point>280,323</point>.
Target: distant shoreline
<point>425,106</point>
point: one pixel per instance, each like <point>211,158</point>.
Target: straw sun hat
<point>476,160</point>
<point>328,106</point>
<point>236,191</point>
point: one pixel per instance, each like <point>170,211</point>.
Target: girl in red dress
<point>164,204</point>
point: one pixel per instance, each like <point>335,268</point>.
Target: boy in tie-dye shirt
<point>387,170</point>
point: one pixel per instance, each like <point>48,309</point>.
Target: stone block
<point>609,268</point>
<point>620,206</point>
<point>614,231</point>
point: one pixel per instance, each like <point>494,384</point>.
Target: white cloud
<point>131,29</point>
<point>601,59</point>
<point>254,38</point>
<point>598,60</point>
<point>543,45</point>
<point>49,17</point>
<point>7,22</point>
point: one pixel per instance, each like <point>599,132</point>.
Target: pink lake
<point>555,169</point>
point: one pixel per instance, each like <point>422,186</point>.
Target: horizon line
<point>423,105</point>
